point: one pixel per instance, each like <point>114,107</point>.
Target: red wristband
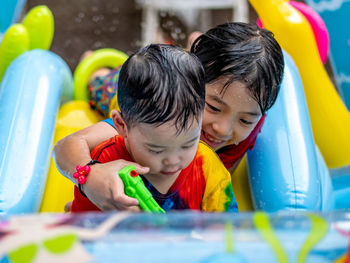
<point>81,174</point>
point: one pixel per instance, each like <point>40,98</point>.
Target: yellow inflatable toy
<point>241,188</point>
<point>330,119</point>
<point>72,116</point>
<point>106,57</point>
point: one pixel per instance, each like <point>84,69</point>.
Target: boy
<point>161,97</point>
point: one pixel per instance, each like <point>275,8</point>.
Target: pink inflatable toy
<point>317,25</point>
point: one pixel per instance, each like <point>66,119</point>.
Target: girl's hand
<point>105,188</point>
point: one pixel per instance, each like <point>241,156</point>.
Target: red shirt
<point>203,185</point>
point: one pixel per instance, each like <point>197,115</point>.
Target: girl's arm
<point>75,148</point>
<point>103,187</point>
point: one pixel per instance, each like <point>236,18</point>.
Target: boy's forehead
<point>167,132</point>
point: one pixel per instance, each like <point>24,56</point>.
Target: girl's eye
<point>155,152</point>
<point>246,122</point>
<point>212,107</point>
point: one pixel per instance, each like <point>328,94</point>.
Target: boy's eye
<point>212,107</point>
<point>154,152</point>
<point>187,146</point>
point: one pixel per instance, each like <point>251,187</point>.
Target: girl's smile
<point>229,115</point>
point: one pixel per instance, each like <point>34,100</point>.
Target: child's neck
<point>160,182</point>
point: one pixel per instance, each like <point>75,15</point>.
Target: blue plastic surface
<point>283,167</point>
<point>10,10</point>
<point>30,95</point>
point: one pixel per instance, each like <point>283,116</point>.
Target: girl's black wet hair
<point>243,52</point>
<point>161,83</point>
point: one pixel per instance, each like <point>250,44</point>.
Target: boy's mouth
<point>170,172</point>
<point>210,140</point>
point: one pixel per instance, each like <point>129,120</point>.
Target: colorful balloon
<point>330,118</point>
<point>106,57</point>
<point>15,42</point>
<point>39,22</point>
<point>318,27</point>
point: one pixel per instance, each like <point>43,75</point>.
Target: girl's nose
<point>223,129</point>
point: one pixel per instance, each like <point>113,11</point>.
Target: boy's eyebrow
<point>192,140</point>
<point>162,147</point>
<point>154,145</point>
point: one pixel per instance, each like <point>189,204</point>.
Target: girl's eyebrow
<point>217,99</point>
<point>251,113</point>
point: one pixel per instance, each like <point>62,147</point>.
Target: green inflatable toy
<point>13,44</point>
<point>106,57</point>
<point>36,31</point>
<point>40,25</point>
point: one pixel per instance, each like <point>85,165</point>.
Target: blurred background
<point>82,25</point>
<point>126,25</point>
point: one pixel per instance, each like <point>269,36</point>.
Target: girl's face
<point>229,117</point>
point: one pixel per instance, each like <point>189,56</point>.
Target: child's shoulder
<point>211,162</point>
<point>105,146</point>
<point>207,152</point>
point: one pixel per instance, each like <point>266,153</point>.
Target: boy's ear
<point>119,123</point>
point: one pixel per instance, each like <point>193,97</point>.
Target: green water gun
<point>134,187</point>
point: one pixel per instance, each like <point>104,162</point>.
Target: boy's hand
<point>105,188</point>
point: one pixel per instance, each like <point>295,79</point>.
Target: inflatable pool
<point>175,237</point>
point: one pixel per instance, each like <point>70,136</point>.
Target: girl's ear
<point>119,123</point>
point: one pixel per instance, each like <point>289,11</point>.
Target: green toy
<point>40,25</point>
<point>134,187</point>
<point>105,57</point>
<point>36,31</point>
<point>14,43</point>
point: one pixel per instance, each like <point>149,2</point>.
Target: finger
<point>141,169</point>
<point>120,198</point>
<point>126,201</point>
<point>134,209</point>
<point>68,207</point>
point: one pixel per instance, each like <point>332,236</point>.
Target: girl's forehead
<point>223,89</point>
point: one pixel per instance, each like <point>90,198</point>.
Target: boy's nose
<point>171,160</point>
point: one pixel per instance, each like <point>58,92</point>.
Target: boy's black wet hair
<point>243,52</point>
<point>161,83</point>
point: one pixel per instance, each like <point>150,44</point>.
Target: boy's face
<point>229,117</point>
<point>161,149</point>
